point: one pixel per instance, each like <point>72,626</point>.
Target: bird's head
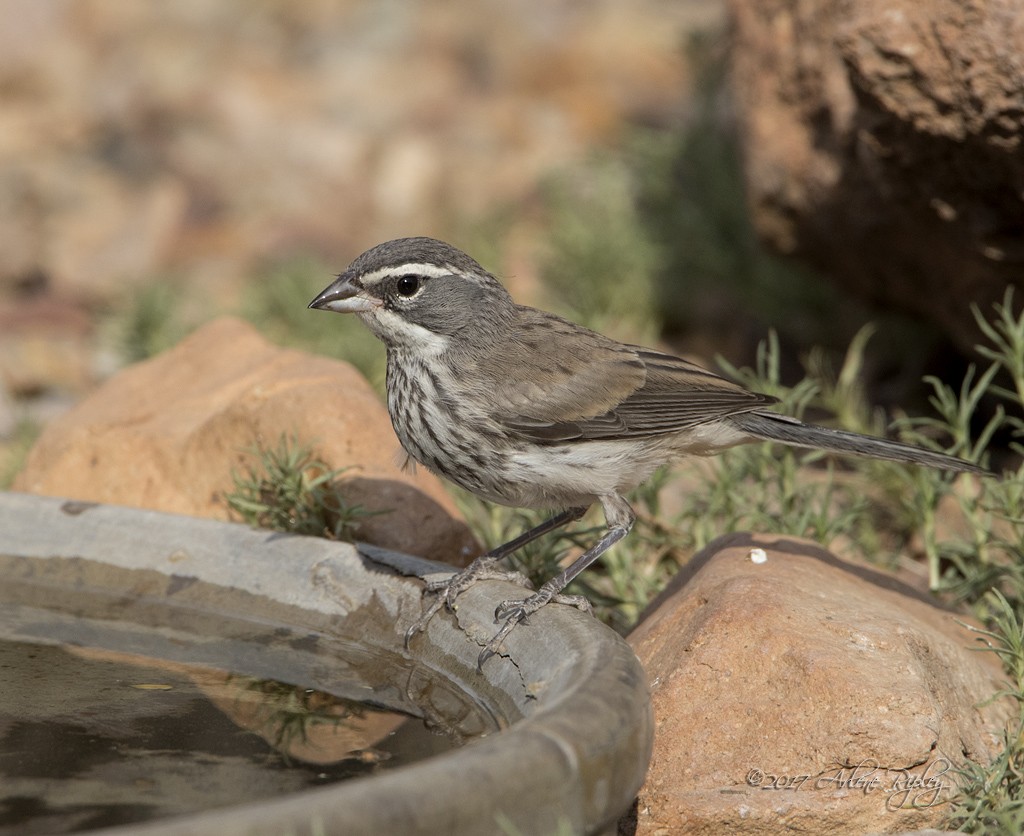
<point>419,293</point>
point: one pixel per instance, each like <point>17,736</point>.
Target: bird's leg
<point>483,568</point>
<point>620,519</point>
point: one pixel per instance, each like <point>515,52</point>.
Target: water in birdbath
<point>99,728</point>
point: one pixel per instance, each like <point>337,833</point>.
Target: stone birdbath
<point>565,717</point>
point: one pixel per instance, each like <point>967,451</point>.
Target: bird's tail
<point>774,427</point>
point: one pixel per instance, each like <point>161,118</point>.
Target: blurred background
<point>621,163</point>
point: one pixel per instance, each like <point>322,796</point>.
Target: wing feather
<point>597,388</point>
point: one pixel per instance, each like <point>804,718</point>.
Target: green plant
<point>924,490</point>
<point>993,514</point>
<point>598,258</point>
<point>991,796</point>
<point>151,320</point>
<point>1006,335</point>
<point>287,488</point>
<point>15,451</point>
<point>767,487</point>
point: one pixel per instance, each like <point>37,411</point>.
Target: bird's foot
<point>449,589</point>
<point>518,612</point>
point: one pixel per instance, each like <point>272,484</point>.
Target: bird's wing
<point>677,394</point>
<point>592,387</point>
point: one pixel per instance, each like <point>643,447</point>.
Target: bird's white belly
<point>589,469</point>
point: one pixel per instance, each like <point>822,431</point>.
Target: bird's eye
<point>407,285</point>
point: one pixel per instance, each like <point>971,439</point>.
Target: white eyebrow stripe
<point>412,268</point>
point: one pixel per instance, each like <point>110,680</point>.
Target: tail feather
<point>774,427</point>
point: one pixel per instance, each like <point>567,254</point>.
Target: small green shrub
<point>287,488</point>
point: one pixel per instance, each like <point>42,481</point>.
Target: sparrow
<point>524,408</point>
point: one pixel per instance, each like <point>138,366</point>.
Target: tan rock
<point>166,434</point>
<point>805,694</point>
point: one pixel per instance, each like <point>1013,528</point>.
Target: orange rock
<point>167,433</point>
<point>806,694</point>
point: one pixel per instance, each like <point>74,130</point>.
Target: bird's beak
<point>344,296</point>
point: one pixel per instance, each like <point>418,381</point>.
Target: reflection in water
<point>92,738</point>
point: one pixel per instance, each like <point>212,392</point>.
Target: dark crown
<point>421,250</point>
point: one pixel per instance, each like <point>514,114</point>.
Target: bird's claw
<point>519,611</point>
<point>449,589</point>
<point>514,612</point>
<point>511,612</point>
<point>420,624</point>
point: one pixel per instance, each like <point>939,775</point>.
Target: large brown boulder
<point>167,433</point>
<point>796,693</point>
<point>884,143</point>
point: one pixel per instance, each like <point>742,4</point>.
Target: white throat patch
<point>402,333</point>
